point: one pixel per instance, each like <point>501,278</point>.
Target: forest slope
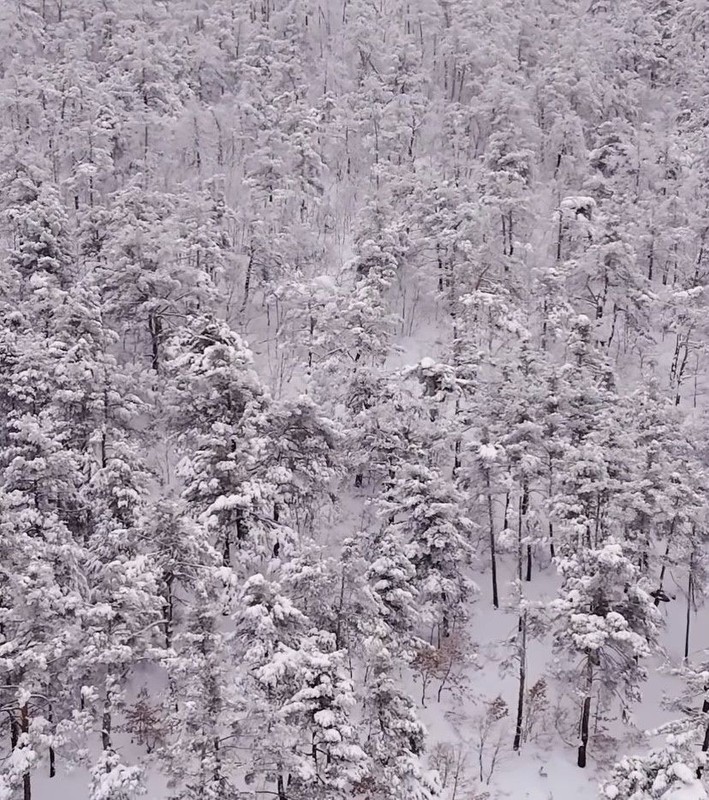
<point>353,373</point>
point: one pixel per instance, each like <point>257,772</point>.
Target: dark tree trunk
<point>27,777</point>
<point>106,722</point>
<point>242,526</point>
<point>663,569</point>
<point>586,717</point>
<point>217,774</point>
<point>528,576</point>
<point>155,328</point>
<point>456,453</point>
<point>511,246</point>
<point>14,731</point>
<point>552,549</point>
<point>522,653</point>
<point>340,607</point>
<point>523,508</point>
<point>441,271</point>
<point>226,550</point>
<point>247,279</point>
<point>281,789</point>
<point>445,621</point>
<point>493,554</point>
<point>52,754</point>
<point>168,607</point>
<point>690,593</point>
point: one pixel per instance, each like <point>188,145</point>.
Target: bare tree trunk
<point>552,549</point>
<point>521,634</point>
<point>14,730</point>
<point>690,596</point>
<point>26,777</point>
<point>226,550</point>
<point>520,550</point>
<point>217,773</point>
<point>510,246</point>
<point>586,715</point>
<point>247,279</point>
<point>522,655</point>
<point>705,710</point>
<point>340,607</point>
<point>705,744</point>
<point>493,554</point>
<point>456,447</point>
<point>281,789</point>
<point>168,606</point>
<point>311,332</point>
<point>52,754</point>
<point>441,271</point>
<point>242,525</point>
<point>528,576</point>
<point>523,509</point>
<point>106,722</point>
<point>155,328</point>
<point>663,569</point>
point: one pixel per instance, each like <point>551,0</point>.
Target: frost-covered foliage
<point>669,772</point>
<point>315,317</point>
<point>608,622</point>
<point>603,607</point>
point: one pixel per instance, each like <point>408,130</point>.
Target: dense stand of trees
<point>328,330</point>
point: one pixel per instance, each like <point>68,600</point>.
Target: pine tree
<point>299,700</point>
<point>667,772</point>
<point>395,737</point>
<point>44,591</point>
<point>422,513</point>
<point>201,701</point>
<point>606,618</point>
<point>150,282</point>
<point>217,408</point>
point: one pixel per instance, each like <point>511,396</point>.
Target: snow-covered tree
<point>668,772</point>
<point>606,621</point>
<point>297,700</point>
<point>217,408</point>
<point>423,515</point>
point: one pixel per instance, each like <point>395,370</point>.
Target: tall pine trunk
<point>521,633</point>
<point>586,715</point>
<point>106,722</point>
<point>52,754</point>
<point>493,553</point>
<point>14,731</point>
<point>168,607</point>
<point>155,328</point>
<point>522,686</point>
<point>690,595</point>
<point>663,569</point>
<point>552,549</point>
<point>27,776</point>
